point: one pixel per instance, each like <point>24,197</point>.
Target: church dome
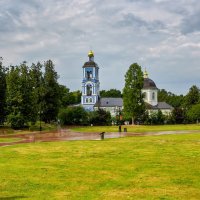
<point>90,54</point>
<point>149,84</point>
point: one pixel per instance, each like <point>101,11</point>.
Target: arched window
<point>86,100</point>
<point>89,90</point>
<point>89,75</point>
<point>153,96</point>
<point>90,100</point>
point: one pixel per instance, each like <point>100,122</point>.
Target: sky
<point>162,36</point>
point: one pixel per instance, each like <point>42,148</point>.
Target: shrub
<point>73,116</point>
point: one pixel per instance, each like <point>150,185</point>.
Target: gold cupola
<point>90,54</point>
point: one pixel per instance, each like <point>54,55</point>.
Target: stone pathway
<point>67,135</point>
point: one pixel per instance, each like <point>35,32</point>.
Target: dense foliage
<point>77,115</point>
<point>133,100</point>
<point>110,93</point>
<point>174,100</point>
<point>28,94</point>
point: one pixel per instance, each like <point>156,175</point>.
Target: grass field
<point>154,167</point>
<point>138,129</point>
<point>9,140</point>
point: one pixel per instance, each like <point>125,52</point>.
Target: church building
<point>91,100</point>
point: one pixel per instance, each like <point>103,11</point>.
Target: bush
<point>73,116</point>
<point>100,117</point>
<point>16,121</point>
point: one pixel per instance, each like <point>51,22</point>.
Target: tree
<point>37,83</point>
<point>178,115</point>
<point>192,97</point>
<point>50,96</point>
<point>14,97</point>
<point>174,100</point>
<point>100,117</point>
<point>19,99</point>
<point>111,93</point>
<point>132,93</point>
<point>193,113</point>
<point>2,93</point>
<point>76,96</point>
<point>28,108</point>
<point>64,96</point>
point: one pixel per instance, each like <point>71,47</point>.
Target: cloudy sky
<point>162,36</point>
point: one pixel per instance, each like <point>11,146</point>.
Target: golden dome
<point>90,54</point>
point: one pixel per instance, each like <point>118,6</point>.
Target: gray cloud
<point>154,33</point>
<point>191,23</point>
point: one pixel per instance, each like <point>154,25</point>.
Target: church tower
<point>90,83</point>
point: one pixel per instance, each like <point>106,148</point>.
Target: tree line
<point>31,93</point>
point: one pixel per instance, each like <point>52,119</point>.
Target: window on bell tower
<point>89,75</point>
<point>89,90</point>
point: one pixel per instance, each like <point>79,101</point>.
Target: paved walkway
<point>67,135</point>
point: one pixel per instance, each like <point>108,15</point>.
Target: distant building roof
<point>109,102</point>
<point>160,105</point>
<point>149,84</point>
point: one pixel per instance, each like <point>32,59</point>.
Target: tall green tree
<point>2,92</point>
<point>37,82</point>
<point>132,93</point>
<point>26,90</point>
<point>14,97</point>
<point>50,96</point>
<point>20,104</point>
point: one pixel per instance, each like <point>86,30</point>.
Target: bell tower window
<point>89,75</point>
<point>89,90</point>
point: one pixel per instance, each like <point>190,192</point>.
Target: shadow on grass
<point>13,197</point>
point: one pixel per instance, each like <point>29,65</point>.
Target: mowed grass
<point>2,140</point>
<point>137,128</point>
<point>153,167</point>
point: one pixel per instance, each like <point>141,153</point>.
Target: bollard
<point>125,130</point>
<point>120,129</point>
<point>102,135</point>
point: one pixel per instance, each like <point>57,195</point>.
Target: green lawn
<point>137,129</point>
<point>2,140</point>
<point>153,167</point>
